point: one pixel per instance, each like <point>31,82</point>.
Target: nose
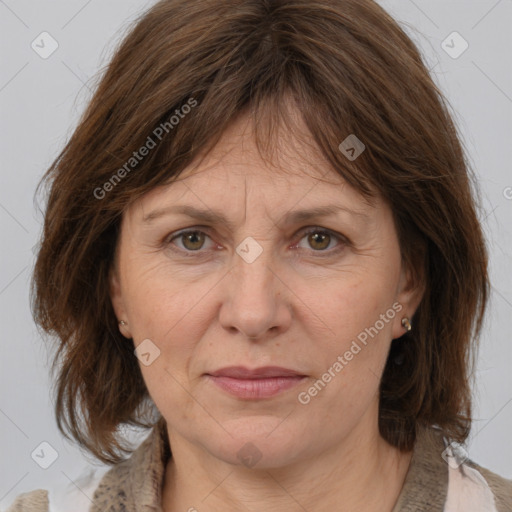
<point>255,302</point>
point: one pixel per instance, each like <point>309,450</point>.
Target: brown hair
<point>350,69</point>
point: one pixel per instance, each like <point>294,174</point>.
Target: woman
<point>261,243</point>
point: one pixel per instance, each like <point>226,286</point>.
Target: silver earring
<point>122,322</point>
<point>406,324</point>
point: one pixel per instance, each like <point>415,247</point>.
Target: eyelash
<point>343,241</point>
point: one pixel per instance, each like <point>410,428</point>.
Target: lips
<point>255,384</point>
<point>240,372</point>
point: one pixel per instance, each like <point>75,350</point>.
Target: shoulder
<point>35,501</point>
<point>76,495</point>
<point>473,487</point>
<point>131,484</point>
<point>499,487</point>
<point>442,477</point>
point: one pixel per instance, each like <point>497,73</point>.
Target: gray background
<point>40,101</point>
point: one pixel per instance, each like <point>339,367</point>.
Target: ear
<point>411,289</point>
<point>116,298</point>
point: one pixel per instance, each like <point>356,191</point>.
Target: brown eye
<point>319,240</point>
<point>192,240</point>
<point>322,241</point>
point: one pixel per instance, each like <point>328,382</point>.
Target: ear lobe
<point>116,298</point>
<point>410,293</point>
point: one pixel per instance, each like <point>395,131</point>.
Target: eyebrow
<point>217,217</point>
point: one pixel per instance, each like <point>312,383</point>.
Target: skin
<point>298,305</point>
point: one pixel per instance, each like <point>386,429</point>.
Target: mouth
<point>255,384</point>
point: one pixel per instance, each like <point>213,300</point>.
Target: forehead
<point>292,170</point>
<point>289,151</point>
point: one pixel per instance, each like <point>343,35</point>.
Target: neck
<point>355,475</point>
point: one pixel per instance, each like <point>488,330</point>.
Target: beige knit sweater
<point>431,484</point>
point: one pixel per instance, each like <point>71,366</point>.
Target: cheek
<point>350,308</point>
<point>160,301</point>
<point>174,315</point>
<point>351,353</point>
<point>357,314</point>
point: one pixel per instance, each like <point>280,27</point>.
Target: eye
<point>321,239</point>
<point>192,240</point>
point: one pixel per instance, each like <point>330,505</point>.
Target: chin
<point>258,443</point>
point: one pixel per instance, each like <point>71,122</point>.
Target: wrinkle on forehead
<point>285,146</point>
<point>288,154</point>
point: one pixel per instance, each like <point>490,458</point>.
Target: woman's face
<point>320,296</point>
